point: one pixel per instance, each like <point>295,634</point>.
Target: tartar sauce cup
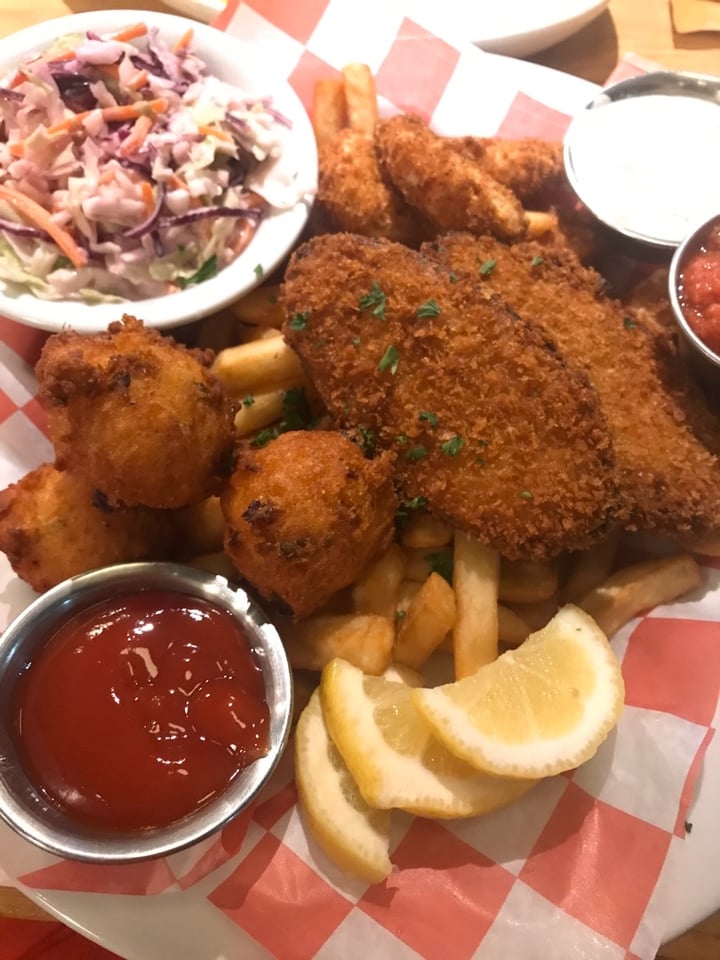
<point>643,158</point>
<point>704,361</point>
<point>29,810</point>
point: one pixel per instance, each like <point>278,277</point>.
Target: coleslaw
<point>128,171</point>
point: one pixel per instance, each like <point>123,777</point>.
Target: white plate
<point>232,60</point>
<point>183,925</point>
<point>515,28</point>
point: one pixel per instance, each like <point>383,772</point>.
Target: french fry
<point>366,641</point>
<point>328,109</point>
<point>540,222</point>
<point>429,617</point>
<point>589,568</point>
<point>200,528</point>
<point>405,592</point>
<point>261,307</point>
<point>421,563</point>
<point>537,613</point>
<point>376,591</point>
<point>639,587</point>
<point>360,97</point>
<point>512,630</point>
<point>259,365</point>
<point>258,410</point>
<point>425,532</point>
<point>218,562</point>
<point>475,581</point>
<point>524,581</point>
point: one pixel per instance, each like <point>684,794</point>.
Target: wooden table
<point>628,26</point>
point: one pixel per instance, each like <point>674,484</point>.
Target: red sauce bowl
<point>694,291</point>
<point>142,707</point>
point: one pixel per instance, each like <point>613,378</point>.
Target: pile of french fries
<point>435,589</point>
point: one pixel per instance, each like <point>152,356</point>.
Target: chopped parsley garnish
<point>319,344</point>
<point>299,321</point>
<point>487,267</point>
<point>356,341</point>
<point>296,415</point>
<point>374,301</point>
<point>207,270</point>
<point>416,453</point>
<point>389,360</point>
<point>248,401</point>
<point>273,299</point>
<point>442,563</point>
<point>429,417</point>
<point>367,440</point>
<point>453,278</point>
<point>526,495</point>
<point>629,323</point>
<point>402,438</point>
<point>258,271</point>
<point>453,446</point>
<point>400,614</point>
<point>431,308</point>
<point>536,261</point>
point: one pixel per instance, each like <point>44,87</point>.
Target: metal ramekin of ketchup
<point>143,706</point>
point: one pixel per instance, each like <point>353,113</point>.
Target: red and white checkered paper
<point>580,867</point>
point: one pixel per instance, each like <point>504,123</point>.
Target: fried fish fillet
<point>488,422</point>
<point>666,440</point>
<point>445,184</point>
<point>533,169</point>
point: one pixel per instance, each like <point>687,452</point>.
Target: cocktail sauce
<point>699,290</point>
<point>141,709</point>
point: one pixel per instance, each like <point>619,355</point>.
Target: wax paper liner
<point>578,868</point>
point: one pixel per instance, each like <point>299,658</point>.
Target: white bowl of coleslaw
<point>149,164</point>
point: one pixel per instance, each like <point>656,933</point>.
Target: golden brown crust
<point>140,416</point>
<point>448,187</point>
<point>305,514</point>
<point>533,169</point>
<point>54,525</point>
<point>662,430</point>
<point>532,476</point>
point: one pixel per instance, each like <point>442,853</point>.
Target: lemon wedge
<point>352,834</point>
<point>535,711</point>
<point>393,756</point>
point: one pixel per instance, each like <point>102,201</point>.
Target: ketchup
<point>141,709</point>
<point>699,290</point>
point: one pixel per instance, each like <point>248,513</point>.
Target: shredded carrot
<point>139,80</point>
<point>175,182</point>
<point>131,33</point>
<point>185,40</point>
<point>136,137</point>
<point>107,176</point>
<point>40,217</point>
<point>148,195</point>
<point>65,55</point>
<point>19,78</point>
<point>128,111</point>
<point>213,132</point>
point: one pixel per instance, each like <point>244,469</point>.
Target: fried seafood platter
<point>423,444</point>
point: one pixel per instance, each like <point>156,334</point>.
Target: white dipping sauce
<point>648,165</point>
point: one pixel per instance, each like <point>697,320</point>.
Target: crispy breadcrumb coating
<point>305,514</point>
<point>666,441</point>
<point>488,422</point>
<point>140,416</point>
<point>446,186</point>
<point>533,169</point>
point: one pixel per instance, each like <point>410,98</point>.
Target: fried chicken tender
<point>53,525</point>
<point>447,186</point>
<point>533,169</point>
<point>305,514</point>
<point>358,198</point>
<point>488,422</point>
<point>138,415</point>
<point>666,441</point>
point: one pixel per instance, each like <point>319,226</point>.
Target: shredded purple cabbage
<point>209,213</point>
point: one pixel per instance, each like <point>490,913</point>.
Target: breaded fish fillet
<point>666,441</point>
<point>447,186</point>
<point>533,169</point>
<point>488,422</point>
<point>358,198</point>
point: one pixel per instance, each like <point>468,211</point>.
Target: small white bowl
<point>236,62</point>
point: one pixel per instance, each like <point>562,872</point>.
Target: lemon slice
<point>393,756</point>
<point>535,711</point>
<point>354,836</point>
